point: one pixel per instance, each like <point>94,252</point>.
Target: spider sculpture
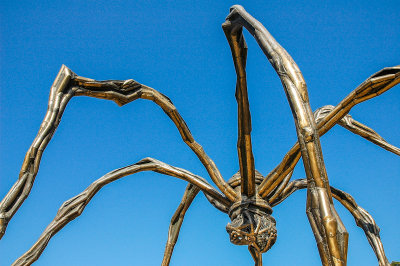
<point>247,197</point>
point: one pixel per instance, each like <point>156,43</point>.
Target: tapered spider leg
<point>191,192</point>
<point>66,85</point>
<point>332,243</point>
<point>366,222</point>
<point>217,204</point>
<point>374,86</point>
<point>256,255</point>
<point>357,128</point>
<point>123,92</point>
<point>246,161</point>
<point>363,219</point>
<point>278,190</point>
<point>74,207</point>
<point>321,223</point>
<point>177,220</point>
<point>59,97</point>
<point>347,122</point>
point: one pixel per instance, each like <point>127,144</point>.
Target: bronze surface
<point>248,197</point>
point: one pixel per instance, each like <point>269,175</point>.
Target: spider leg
<point>177,220</point>
<point>60,94</point>
<point>74,207</point>
<point>131,90</point>
<point>330,234</point>
<point>238,47</point>
<point>373,86</point>
<point>357,128</point>
<point>66,85</point>
<point>363,219</point>
<point>347,122</point>
<point>256,255</point>
<point>190,193</point>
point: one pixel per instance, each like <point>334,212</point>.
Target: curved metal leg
<point>256,255</point>
<point>74,207</point>
<point>190,193</point>
<point>123,92</point>
<point>373,86</point>
<point>66,85</point>
<point>246,161</point>
<point>357,128</point>
<point>60,94</point>
<point>347,122</point>
<point>177,220</point>
<point>327,227</point>
<point>363,219</point>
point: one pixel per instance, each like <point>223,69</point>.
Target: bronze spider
<point>247,197</point>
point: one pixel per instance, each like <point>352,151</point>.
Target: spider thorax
<point>252,223</point>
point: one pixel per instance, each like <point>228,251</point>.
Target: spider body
<point>248,197</point>
<point>252,223</point>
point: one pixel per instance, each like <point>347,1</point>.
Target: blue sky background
<point>179,48</point>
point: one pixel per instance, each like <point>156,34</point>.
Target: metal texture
<point>248,197</point>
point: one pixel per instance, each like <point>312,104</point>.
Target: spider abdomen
<point>252,223</point>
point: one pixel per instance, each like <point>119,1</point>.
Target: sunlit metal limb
<point>177,220</point>
<point>223,207</point>
<point>373,86</point>
<point>246,161</point>
<point>60,94</point>
<point>123,92</point>
<point>278,190</point>
<point>326,224</point>
<point>366,222</point>
<point>363,219</point>
<point>256,255</point>
<point>347,122</point>
<point>329,231</point>
<point>66,85</point>
<point>74,207</point>
<point>357,128</point>
<point>190,193</point>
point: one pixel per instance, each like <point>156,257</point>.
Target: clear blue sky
<point>179,48</point>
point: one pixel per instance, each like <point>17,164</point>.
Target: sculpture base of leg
<point>257,256</point>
